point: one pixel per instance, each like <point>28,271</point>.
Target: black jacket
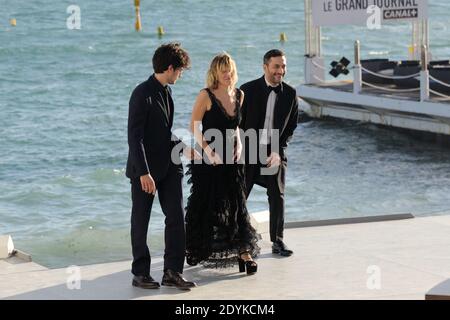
<point>150,138</point>
<point>285,111</point>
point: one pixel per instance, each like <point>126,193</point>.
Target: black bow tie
<point>277,89</point>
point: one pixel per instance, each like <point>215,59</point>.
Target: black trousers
<point>274,185</point>
<point>170,195</point>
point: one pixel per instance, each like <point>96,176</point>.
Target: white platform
<point>336,100</point>
<point>330,262</point>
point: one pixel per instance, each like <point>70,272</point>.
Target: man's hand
<point>191,154</point>
<point>273,160</point>
<point>148,184</point>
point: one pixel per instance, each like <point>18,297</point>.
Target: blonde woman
<point>218,229</point>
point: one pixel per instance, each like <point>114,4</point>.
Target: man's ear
<point>170,68</point>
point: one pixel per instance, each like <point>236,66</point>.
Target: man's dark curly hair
<point>170,54</point>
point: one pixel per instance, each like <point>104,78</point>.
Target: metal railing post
<point>357,75</point>
<point>424,75</point>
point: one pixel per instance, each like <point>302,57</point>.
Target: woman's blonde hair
<point>221,62</point>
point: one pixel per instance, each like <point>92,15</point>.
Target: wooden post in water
<point>138,25</point>
<point>160,32</point>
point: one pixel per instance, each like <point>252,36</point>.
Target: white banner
<point>336,12</point>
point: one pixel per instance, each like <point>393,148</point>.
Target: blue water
<point>63,115</point>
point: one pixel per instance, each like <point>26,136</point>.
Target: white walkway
<point>400,259</point>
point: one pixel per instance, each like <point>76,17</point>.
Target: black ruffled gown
<point>217,221</point>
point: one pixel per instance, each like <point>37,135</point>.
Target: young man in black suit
<point>271,108</point>
<point>152,165</point>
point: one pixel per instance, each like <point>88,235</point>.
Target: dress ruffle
<point>217,221</point>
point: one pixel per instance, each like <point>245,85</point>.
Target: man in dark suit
<point>271,108</point>
<point>153,166</point>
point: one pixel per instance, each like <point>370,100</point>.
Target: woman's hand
<point>237,151</point>
<point>214,158</point>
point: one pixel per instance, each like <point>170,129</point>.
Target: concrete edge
<point>8,250</point>
<point>22,255</point>
<point>441,291</point>
<point>331,222</point>
<point>436,297</point>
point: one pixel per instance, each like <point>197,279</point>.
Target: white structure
<point>6,247</point>
<point>418,108</point>
<point>260,221</point>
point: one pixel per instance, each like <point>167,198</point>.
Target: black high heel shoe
<point>250,265</point>
<point>191,261</point>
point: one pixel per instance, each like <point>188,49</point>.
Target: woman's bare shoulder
<point>203,99</point>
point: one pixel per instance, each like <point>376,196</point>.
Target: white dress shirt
<point>266,133</point>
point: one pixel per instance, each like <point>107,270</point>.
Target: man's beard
<point>275,79</point>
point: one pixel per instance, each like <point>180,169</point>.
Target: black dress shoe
<point>279,247</point>
<point>145,282</point>
<point>175,279</point>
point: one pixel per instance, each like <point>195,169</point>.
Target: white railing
<point>440,82</point>
<point>444,96</point>
<point>390,77</point>
<point>318,65</point>
<point>423,77</point>
<point>390,89</point>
